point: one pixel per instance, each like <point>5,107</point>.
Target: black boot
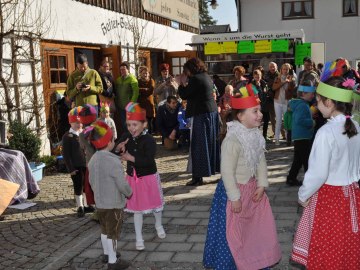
<point>292,182</point>
<point>195,181</point>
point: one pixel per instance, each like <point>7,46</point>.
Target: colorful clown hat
<point>135,112</point>
<point>345,94</point>
<point>101,134</point>
<point>248,98</point>
<point>104,107</point>
<point>87,114</point>
<point>73,114</point>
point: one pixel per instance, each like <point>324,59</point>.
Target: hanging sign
<point>263,46</point>
<point>213,48</point>
<point>229,47</point>
<point>280,45</point>
<point>245,47</point>
<point>302,51</point>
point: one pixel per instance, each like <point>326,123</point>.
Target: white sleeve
<point>319,164</point>
<point>230,152</point>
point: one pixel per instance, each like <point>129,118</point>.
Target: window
<point>297,10</point>
<point>350,8</point>
<point>177,65</point>
<point>58,69</point>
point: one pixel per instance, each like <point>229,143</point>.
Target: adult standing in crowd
<point>263,93</point>
<point>283,86</point>
<point>107,80</point>
<point>146,96</point>
<point>84,84</point>
<point>270,77</point>
<point>239,80</point>
<point>220,85</point>
<point>166,85</point>
<point>126,90</point>
<point>197,88</point>
<point>308,76</point>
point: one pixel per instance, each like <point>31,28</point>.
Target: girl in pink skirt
<point>138,148</point>
<point>250,226</point>
<point>328,235</point>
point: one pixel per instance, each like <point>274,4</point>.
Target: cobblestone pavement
<point>50,236</point>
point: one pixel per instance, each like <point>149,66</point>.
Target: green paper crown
<point>334,93</point>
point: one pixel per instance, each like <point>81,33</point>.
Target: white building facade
<point>334,22</point>
<point>120,30</point>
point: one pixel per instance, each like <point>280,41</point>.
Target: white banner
<point>238,36</point>
<point>183,11</point>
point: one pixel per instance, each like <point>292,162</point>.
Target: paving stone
<point>49,236</point>
<point>174,247</point>
<point>188,257</point>
<point>160,256</point>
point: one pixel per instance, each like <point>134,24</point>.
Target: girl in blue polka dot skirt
<point>241,232</point>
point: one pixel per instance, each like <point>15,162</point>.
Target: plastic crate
<point>37,170</point>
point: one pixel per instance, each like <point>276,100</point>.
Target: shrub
<point>48,160</point>
<point>24,140</point>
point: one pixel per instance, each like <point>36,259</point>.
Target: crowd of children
<point>241,220</point>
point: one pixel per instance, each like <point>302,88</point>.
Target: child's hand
<point>74,172</point>
<point>259,192</point>
<point>127,157</point>
<point>120,148</point>
<point>236,206</point>
<point>304,204</point>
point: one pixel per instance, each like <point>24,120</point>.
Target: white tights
<point>138,222</point>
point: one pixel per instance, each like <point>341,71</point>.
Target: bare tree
<point>22,24</point>
<point>142,35</point>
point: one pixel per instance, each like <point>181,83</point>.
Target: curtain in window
<point>287,9</point>
<point>349,6</point>
<point>308,8</point>
<point>297,7</point>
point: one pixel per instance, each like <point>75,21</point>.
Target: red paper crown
<point>244,103</point>
<point>135,112</point>
<point>248,98</point>
<point>73,115</point>
<point>87,114</point>
<point>103,133</point>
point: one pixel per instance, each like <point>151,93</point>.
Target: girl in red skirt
<point>328,234</point>
<point>138,148</point>
<point>250,226</point>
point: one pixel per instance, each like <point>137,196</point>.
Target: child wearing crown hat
<point>105,117</point>
<point>74,157</point>
<point>328,234</point>
<point>241,220</point>
<point>87,116</point>
<point>139,152</point>
<point>302,130</point>
<point>107,180</point>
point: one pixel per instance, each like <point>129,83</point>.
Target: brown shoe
<point>119,265</point>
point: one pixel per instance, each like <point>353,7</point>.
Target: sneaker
<point>119,265</point>
<point>80,211</point>
<point>161,232</point>
<point>277,142</point>
<point>140,245</point>
<point>105,257</point>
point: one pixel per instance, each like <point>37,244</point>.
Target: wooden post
<point>16,79</point>
<point>34,86</point>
